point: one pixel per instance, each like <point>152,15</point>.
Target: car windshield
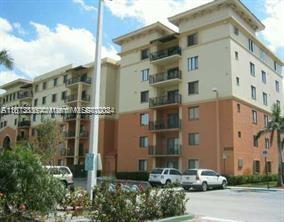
<point>157,171</point>
<point>190,172</point>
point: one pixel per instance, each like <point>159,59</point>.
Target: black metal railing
<point>84,134</point>
<point>24,123</point>
<point>165,151</point>
<point>165,124</point>
<point>176,50</point>
<point>78,79</point>
<point>164,76</point>
<point>24,94</point>
<point>165,100</point>
<point>71,98</point>
<point>86,98</point>
<point>69,133</point>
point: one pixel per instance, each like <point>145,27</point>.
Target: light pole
<point>96,80</point>
<point>217,129</point>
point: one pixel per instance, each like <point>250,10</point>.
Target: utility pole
<point>95,102</point>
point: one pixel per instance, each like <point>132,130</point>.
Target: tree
<point>48,140</point>
<point>276,126</point>
<point>5,59</point>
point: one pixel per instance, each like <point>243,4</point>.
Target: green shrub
<point>25,186</point>
<point>238,180</point>
<point>140,176</point>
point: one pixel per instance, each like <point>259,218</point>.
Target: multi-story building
<point>64,87</point>
<point>197,97</point>
<point>186,99</point>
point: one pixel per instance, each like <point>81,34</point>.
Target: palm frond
<point>262,132</point>
<point>5,59</point>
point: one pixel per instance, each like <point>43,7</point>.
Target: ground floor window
<point>269,166</point>
<point>256,167</point>
<point>193,164</point>
<point>142,165</point>
<point>172,164</point>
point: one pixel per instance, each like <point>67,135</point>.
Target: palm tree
<point>5,59</point>
<point>276,126</point>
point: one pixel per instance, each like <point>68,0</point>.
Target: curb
<point>255,188</point>
<point>182,218</point>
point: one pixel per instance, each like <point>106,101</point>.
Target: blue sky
<point>53,33</point>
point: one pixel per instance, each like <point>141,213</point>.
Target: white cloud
<point>7,76</point>
<point>50,49</point>
<point>19,28</point>
<point>274,24</point>
<point>84,5</point>
<point>149,11</point>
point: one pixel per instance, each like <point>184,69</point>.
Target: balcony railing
<point>73,116</point>
<point>165,100</point>
<point>164,125</point>
<point>160,77</point>
<point>71,98</point>
<point>165,151</point>
<point>25,94</point>
<point>83,134</point>
<point>86,98</point>
<point>77,80</point>
<point>24,123</point>
<point>176,50</point>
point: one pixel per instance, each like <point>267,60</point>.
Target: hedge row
<point>141,176</point>
<point>238,180</point>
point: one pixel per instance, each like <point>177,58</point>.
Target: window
<point>253,92</point>
<point>269,166</point>
<point>238,81</point>
<point>275,65</point>
<point>193,113</point>
<point>240,163</point>
<point>33,131</point>
<point>14,96</point>
<point>277,86</point>
<point>252,69</point>
<point>1,125</point>
<point>251,45</point>
<point>142,165</point>
<point>236,55</point>
<point>145,54</point>
<point>36,88</point>
<point>43,85</point>
<point>63,95</point>
<point>263,76</point>
<point>255,141</point>
<point>256,167</point>
<point>143,141</point>
<point>43,100</point>
<point>262,55</point>
<point>65,78</point>
<point>239,134</point>
<point>266,120</point>
<point>239,107</point>
<point>193,138</point>
<point>55,82</point>
<point>5,123</point>
<point>144,119</point>
<point>144,96</point>
<point>254,117</point>
<point>192,63</point>
<point>53,98</point>
<point>192,39</point>
<point>34,117</point>
<point>266,143</point>
<point>35,102</point>
<point>193,164</point>
<point>15,122</point>
<point>145,74</point>
<point>236,30</point>
<point>193,88</point>
<point>264,98</point>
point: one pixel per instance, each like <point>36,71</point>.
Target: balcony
<point>22,138</point>
<point>73,116</point>
<point>164,56</point>
<point>168,125</point>
<point>74,98</point>
<point>162,101</point>
<point>73,81</point>
<point>24,95</point>
<point>24,123</point>
<point>159,151</point>
<point>72,134</point>
<point>165,78</point>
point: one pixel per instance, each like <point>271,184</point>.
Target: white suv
<point>164,176</point>
<point>62,173</point>
<point>202,179</point>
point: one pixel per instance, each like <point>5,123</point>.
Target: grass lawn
<point>272,184</point>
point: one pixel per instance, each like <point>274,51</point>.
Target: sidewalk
<point>255,188</point>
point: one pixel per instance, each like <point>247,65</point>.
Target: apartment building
<point>197,97</point>
<point>64,87</point>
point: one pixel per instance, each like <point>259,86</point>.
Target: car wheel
<point>204,186</point>
<point>224,184</point>
<point>168,182</point>
<point>65,184</point>
<point>186,188</point>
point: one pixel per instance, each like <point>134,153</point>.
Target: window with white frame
<point>264,98</point>
<point>193,164</point>
<point>145,74</point>
<point>193,88</point>
<point>252,69</point>
<point>277,86</point>
<point>267,143</point>
<point>144,119</point>
<point>251,45</point>
<point>253,92</point>
<point>263,76</point>
<point>142,165</point>
<point>193,113</point>
<point>254,116</point>
<point>193,138</point>
<point>192,63</point>
<point>143,141</point>
<point>266,120</point>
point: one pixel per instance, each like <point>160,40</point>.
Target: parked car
<point>63,173</point>
<point>202,179</point>
<point>164,176</point>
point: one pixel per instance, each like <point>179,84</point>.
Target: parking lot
<point>232,205</point>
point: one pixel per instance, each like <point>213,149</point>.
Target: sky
<point>42,35</point>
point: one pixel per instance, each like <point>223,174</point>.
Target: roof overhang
<point>236,5</point>
<point>15,83</point>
